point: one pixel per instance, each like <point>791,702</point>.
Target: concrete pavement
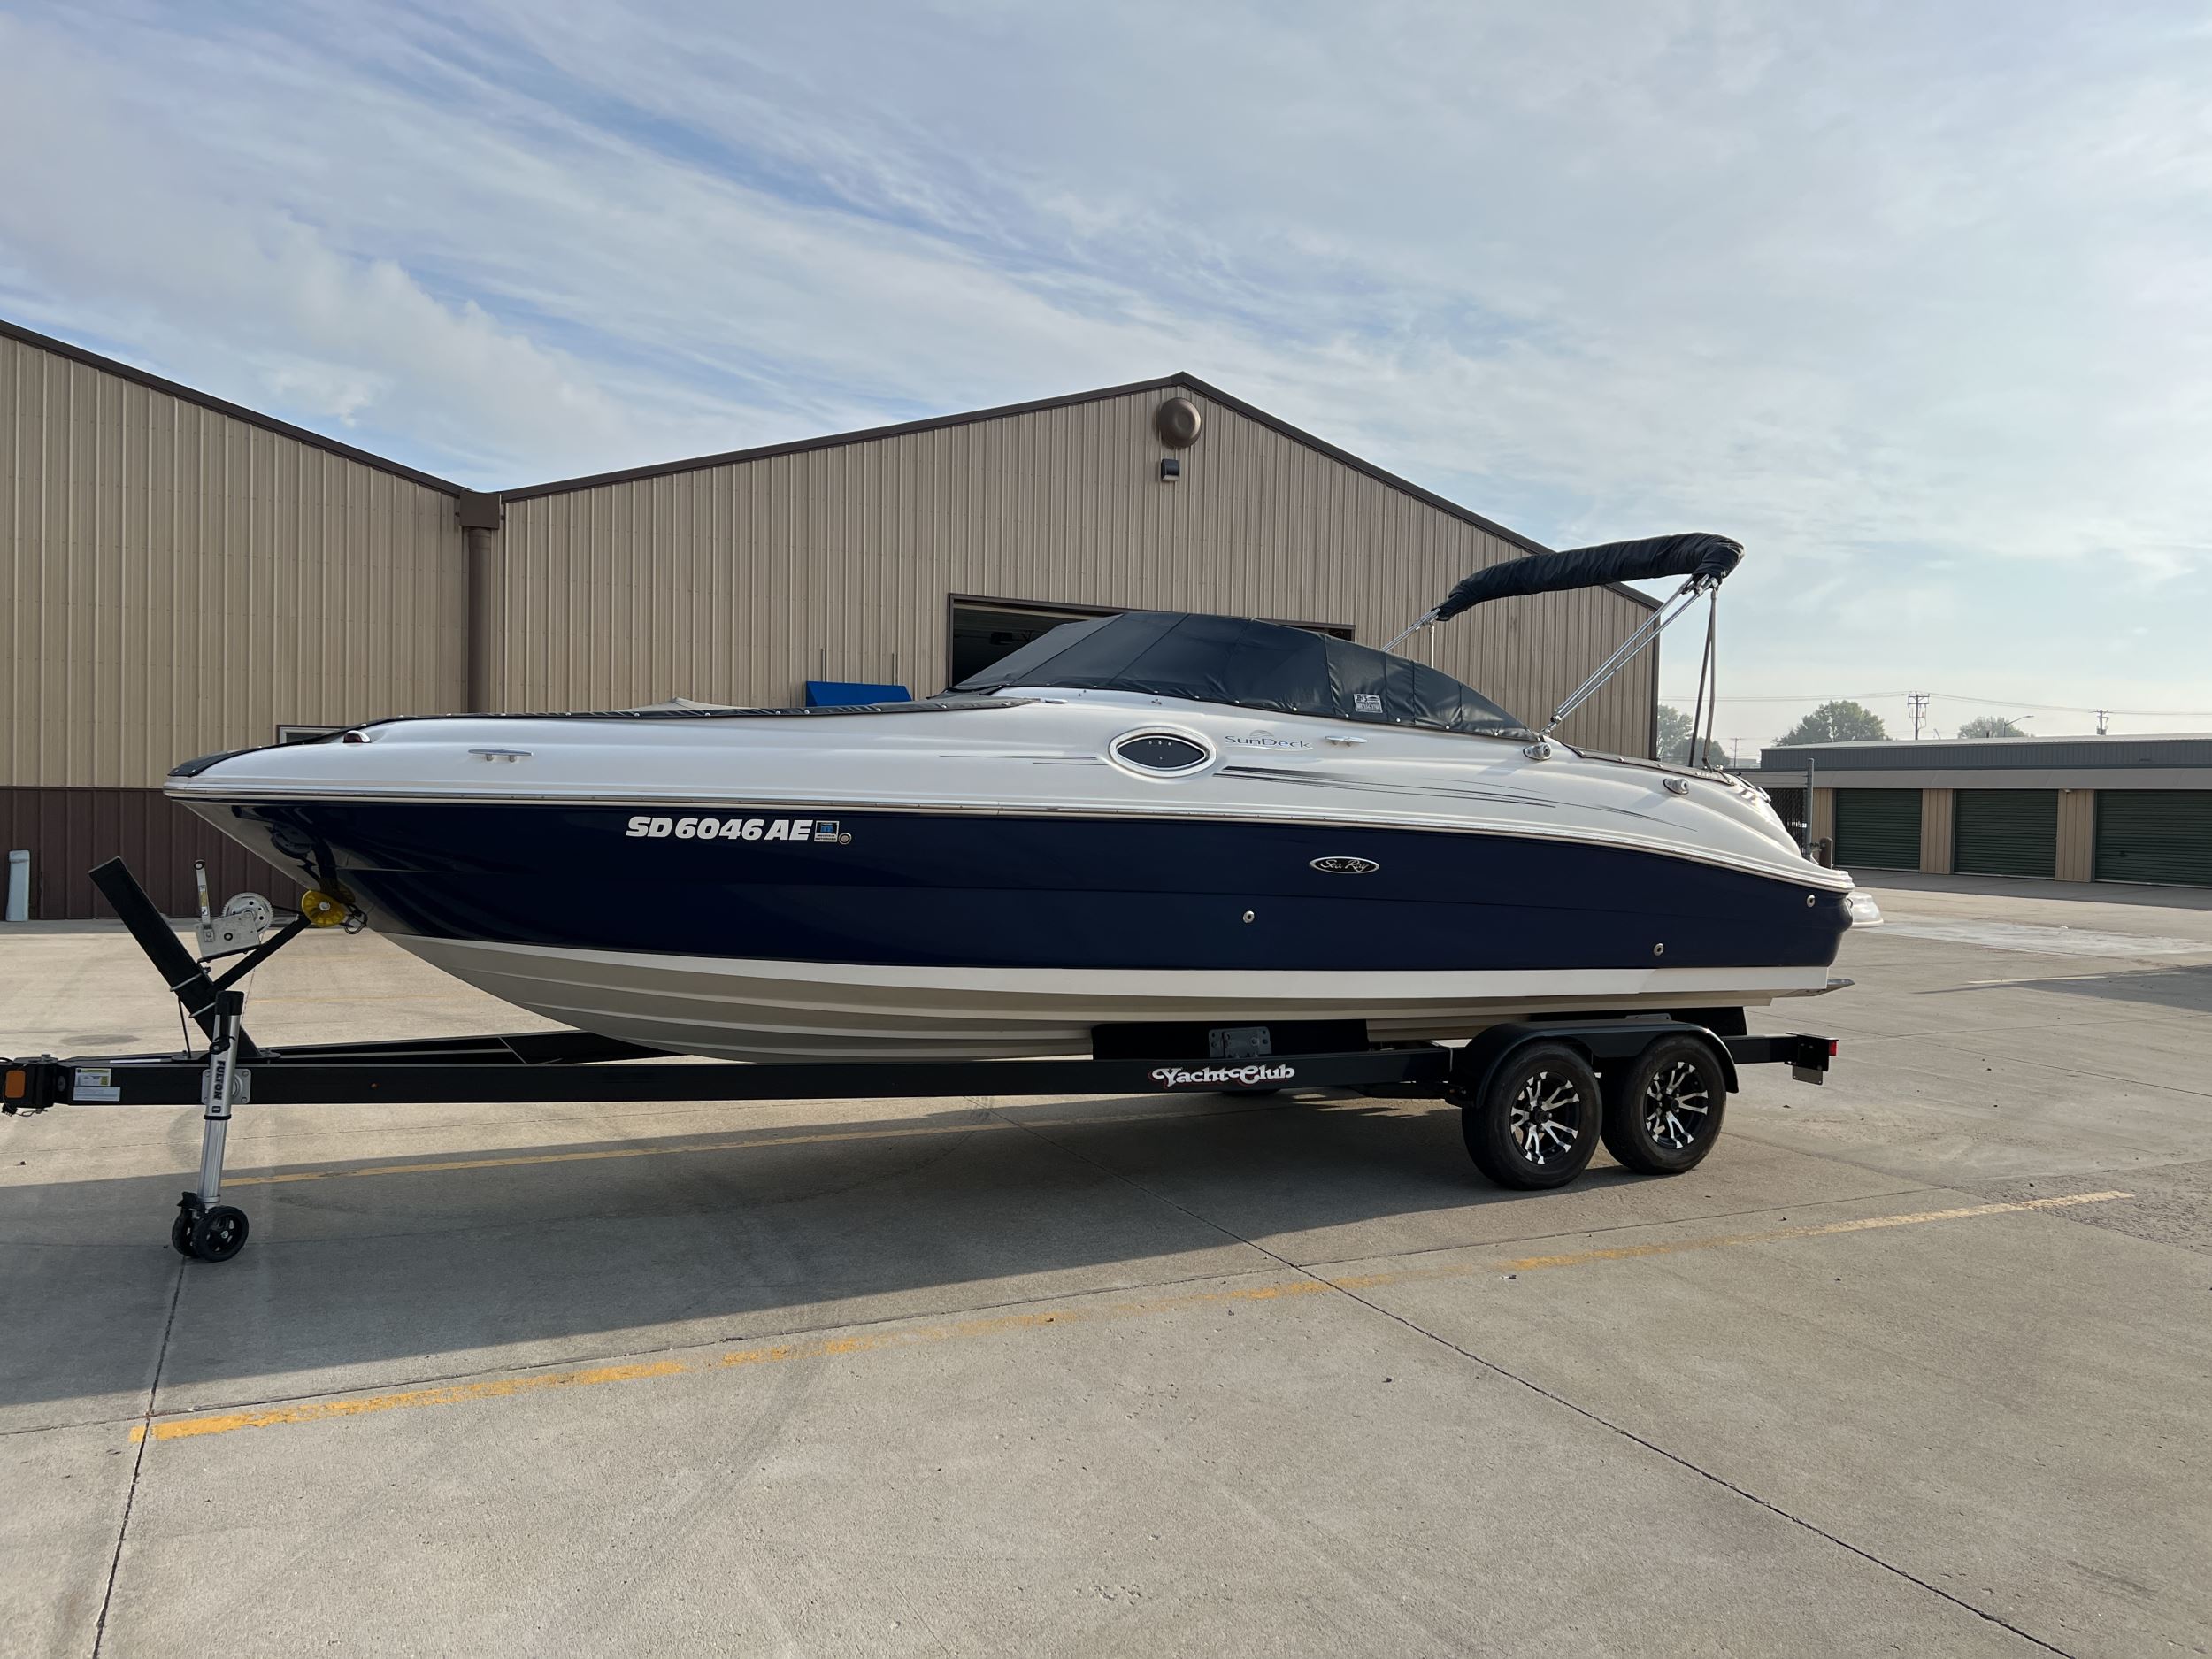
<point>1914,1363</point>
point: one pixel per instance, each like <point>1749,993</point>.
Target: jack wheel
<point>1536,1122</point>
<point>180,1234</point>
<point>220,1235</point>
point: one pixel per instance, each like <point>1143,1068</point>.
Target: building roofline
<point>833,440</point>
<point>1911,745</point>
<point>1940,759</point>
<point>235,411</point>
<point>940,423</point>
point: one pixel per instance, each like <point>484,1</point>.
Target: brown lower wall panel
<point>69,831</point>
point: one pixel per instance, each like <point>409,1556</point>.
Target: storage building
<point>2076,809</point>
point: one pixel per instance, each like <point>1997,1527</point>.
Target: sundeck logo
<point>1267,740</point>
<point>646,828</point>
<point>1215,1076</point>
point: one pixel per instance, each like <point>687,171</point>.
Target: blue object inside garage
<point>840,693</point>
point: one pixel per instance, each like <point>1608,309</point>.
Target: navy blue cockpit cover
<point>1247,664</point>
<point>1695,553</point>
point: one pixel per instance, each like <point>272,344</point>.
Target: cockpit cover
<point>1248,664</point>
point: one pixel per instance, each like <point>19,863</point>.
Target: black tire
<point>220,1235</point>
<point>180,1234</point>
<point>1666,1113</point>
<point>1536,1119</point>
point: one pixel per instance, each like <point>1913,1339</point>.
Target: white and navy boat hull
<point>764,888</point>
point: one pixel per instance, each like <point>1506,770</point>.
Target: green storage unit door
<point>2005,833</point>
<point>1878,829</point>
<point>2163,835</point>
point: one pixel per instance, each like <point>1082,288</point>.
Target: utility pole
<point>2102,716</point>
<point>1918,701</point>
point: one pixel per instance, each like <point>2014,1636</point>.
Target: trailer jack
<point>205,1227</point>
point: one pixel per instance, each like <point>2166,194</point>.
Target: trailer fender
<point>1606,1044</point>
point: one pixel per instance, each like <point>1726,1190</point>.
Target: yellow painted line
<point>732,1143</point>
<point>995,1324</point>
<point>455,1394</point>
<point>1629,1252</point>
<point>765,1354</point>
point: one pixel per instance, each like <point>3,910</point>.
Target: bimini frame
<point>1705,559</point>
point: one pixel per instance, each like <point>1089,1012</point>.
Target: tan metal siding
<point>738,581</point>
<point>1938,827</point>
<point>67,831</point>
<point>2077,835</point>
<point>178,581</point>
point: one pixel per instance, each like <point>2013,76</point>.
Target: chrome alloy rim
<point>1675,1106</point>
<point>1547,1116</point>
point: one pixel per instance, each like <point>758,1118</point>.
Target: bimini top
<point>1698,553</point>
<point>1248,664</point>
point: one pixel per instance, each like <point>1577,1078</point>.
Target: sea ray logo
<point>1345,866</point>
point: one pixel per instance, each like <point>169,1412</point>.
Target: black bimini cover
<point>1692,554</point>
<point>1248,664</point>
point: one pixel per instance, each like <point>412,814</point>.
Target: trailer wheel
<point>220,1235</point>
<point>180,1234</point>
<point>1536,1119</point>
<point>1666,1114</point>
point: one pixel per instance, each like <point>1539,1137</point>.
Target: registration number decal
<point>646,828</point>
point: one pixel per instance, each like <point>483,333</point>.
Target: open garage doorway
<point>985,630</point>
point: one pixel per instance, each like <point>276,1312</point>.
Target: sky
<point>1913,300</point>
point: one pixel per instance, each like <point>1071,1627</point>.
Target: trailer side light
<point>18,1084</point>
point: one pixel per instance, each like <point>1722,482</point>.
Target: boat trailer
<point>1535,1096</point>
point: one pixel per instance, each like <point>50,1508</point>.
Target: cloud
<point>1871,288</point>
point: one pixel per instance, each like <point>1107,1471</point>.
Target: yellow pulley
<point>320,909</point>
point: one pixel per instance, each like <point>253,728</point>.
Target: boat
<point>1134,828</point>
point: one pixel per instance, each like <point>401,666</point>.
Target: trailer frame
<point>558,1066</point>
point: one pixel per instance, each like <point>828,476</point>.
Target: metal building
<point>184,575</point>
<point>2077,809</point>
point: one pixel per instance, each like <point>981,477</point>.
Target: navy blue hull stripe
<point>990,892</point>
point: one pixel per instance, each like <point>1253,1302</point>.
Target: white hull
<point>741,1009</point>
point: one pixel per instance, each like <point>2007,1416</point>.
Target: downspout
<point>480,516</point>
